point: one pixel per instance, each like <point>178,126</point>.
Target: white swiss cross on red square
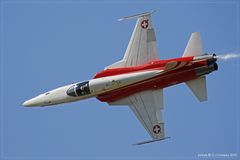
<point>156,129</point>
<point>144,24</point>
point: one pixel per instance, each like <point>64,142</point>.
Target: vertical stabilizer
<point>194,46</point>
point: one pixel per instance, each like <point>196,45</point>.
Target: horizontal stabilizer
<point>198,88</point>
<point>194,46</point>
<point>150,141</point>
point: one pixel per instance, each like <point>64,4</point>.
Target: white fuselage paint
<point>96,86</point>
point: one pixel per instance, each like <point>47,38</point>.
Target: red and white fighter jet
<point>139,78</point>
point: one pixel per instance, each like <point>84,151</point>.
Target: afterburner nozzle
<point>212,60</point>
<point>214,56</point>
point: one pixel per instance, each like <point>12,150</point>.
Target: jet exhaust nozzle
<point>206,56</point>
<point>211,59</point>
<point>214,56</point>
<point>207,69</point>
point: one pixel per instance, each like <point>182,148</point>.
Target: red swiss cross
<point>156,129</point>
<point>144,24</point>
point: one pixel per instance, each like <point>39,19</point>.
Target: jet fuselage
<point>113,84</point>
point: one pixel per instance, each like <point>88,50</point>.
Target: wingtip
<point>137,15</point>
<point>150,141</point>
<point>120,19</point>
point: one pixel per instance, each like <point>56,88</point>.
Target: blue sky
<point>47,44</point>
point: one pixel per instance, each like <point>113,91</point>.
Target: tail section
<point>198,88</point>
<point>198,85</point>
<point>194,46</point>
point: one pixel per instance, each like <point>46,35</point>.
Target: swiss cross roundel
<point>156,129</point>
<point>144,24</point>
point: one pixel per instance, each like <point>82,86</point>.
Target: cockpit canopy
<point>79,89</point>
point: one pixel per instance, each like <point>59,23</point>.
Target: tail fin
<point>198,88</point>
<point>194,46</point>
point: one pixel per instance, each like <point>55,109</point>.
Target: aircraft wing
<point>142,45</point>
<point>147,106</point>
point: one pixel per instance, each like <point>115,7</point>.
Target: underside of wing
<point>142,45</point>
<point>147,106</point>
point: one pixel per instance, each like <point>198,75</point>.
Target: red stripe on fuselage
<point>172,77</point>
<point>150,65</point>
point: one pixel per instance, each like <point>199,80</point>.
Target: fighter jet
<point>139,78</point>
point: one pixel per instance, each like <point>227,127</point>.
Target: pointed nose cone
<point>28,103</point>
<point>36,101</point>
